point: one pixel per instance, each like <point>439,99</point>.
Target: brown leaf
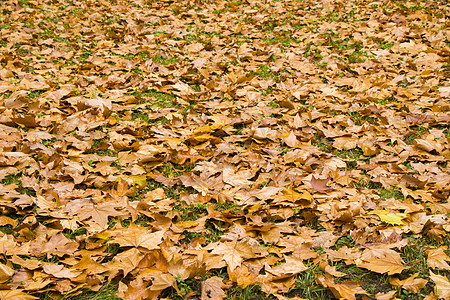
<point>386,296</point>
<point>98,214</point>
<point>291,266</point>
<point>381,261</point>
<point>135,236</point>
<point>6,273</point>
<point>320,185</point>
<point>437,258</point>
<point>412,283</point>
<point>442,288</point>
<point>59,271</point>
<point>212,289</point>
<point>233,253</point>
<point>345,290</point>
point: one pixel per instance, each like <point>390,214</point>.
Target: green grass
<point>264,72</point>
<point>72,234</point>
<point>165,60</point>
<point>352,154</point>
<point>414,134</point>
<point>390,193</point>
<point>15,178</point>
<point>345,241</point>
<point>251,292</point>
<point>154,98</point>
<point>385,100</point>
<point>372,282</point>
<point>144,117</point>
<point>35,94</point>
<point>366,184</point>
<point>192,212</point>
<point>273,104</point>
<point>321,142</point>
<point>385,44</point>
<point>306,286</point>
<point>312,52</point>
<point>447,133</point>
<point>359,119</point>
<point>415,257</point>
<point>142,55</point>
<point>174,169</point>
<point>12,179</point>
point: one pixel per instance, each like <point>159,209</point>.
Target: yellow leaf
<point>205,138</point>
<point>102,235</point>
<point>15,295</point>
<point>255,207</point>
<point>140,180</point>
<point>388,217</point>
<point>202,129</point>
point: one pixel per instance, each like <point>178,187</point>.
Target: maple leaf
<point>6,273</point>
<point>437,258</point>
<point>212,289</point>
<point>59,271</point>
<point>235,115</point>
<point>125,261</point>
<point>233,253</point>
<point>135,236</point>
<point>291,266</point>
<point>135,290</point>
<point>91,266</point>
<point>442,288</point>
<point>345,290</point>
<point>381,261</point>
<point>390,218</point>
<point>60,245</point>
<point>97,213</point>
<point>412,283</point>
<point>15,295</point>
<point>386,296</point>
<point>303,199</point>
<point>320,185</point>
<point>243,276</point>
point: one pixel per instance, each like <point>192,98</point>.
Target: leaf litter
<point>212,149</point>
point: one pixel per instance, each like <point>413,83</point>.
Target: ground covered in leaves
<point>224,149</point>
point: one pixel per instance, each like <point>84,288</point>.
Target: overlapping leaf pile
<point>155,144</point>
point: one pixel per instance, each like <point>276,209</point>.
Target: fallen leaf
<point>381,261</point>
<point>135,236</point>
<point>320,185</point>
<point>346,290</point>
<point>411,284</point>
<point>6,273</point>
<point>388,217</point>
<point>15,295</point>
<point>212,288</point>
<point>437,258</point>
<point>233,253</point>
<point>442,288</point>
